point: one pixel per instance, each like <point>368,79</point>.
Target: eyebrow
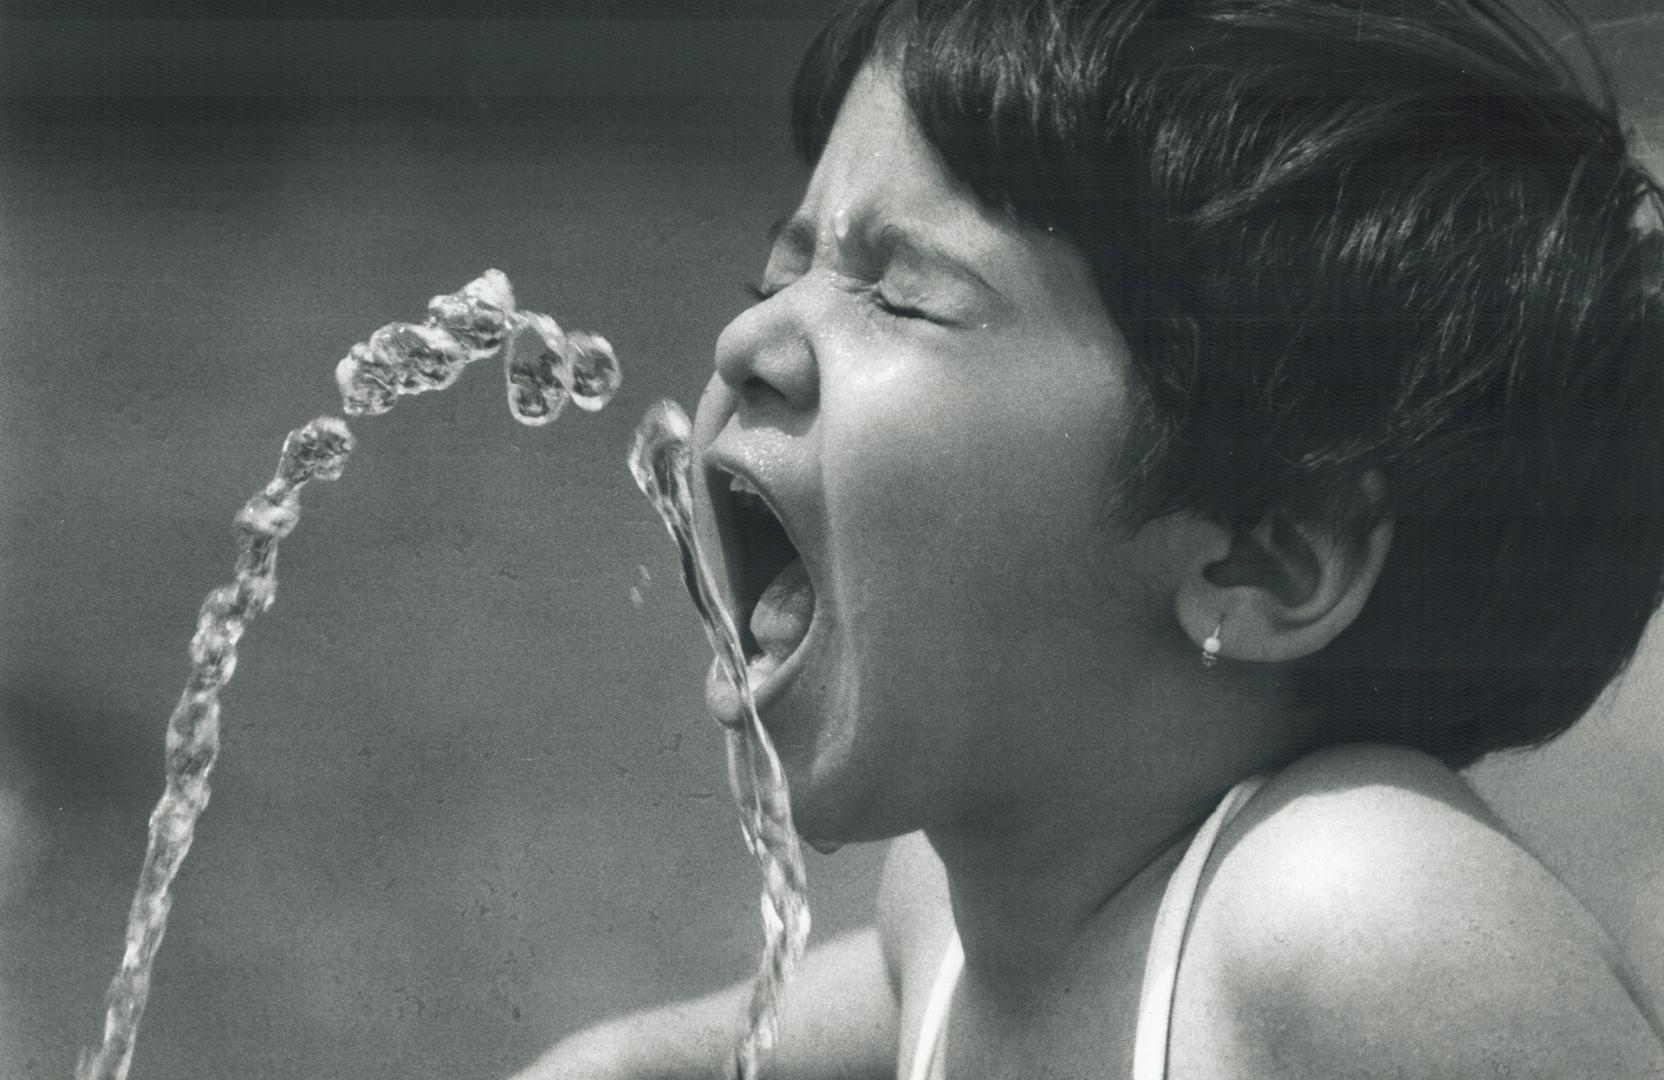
<point>895,237</point>
<point>799,232</point>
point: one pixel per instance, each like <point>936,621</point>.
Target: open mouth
<point>774,600</point>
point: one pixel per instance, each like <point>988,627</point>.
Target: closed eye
<point>898,310</point>
<point>760,292</point>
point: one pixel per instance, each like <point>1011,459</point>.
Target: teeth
<point>739,485</point>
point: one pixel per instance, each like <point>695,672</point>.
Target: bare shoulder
<point>1366,915</point>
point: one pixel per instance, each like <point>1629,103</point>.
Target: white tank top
<point>1161,963</point>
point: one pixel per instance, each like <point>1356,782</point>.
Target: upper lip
<point>750,550</point>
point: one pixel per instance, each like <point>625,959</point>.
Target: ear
<point>1282,590</point>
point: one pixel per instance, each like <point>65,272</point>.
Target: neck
<point>1059,855</point>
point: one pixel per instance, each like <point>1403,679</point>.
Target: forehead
<point>878,163</point>
<point>878,175</point>
<point>879,187</point>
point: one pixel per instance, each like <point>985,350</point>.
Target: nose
<point>766,354</point>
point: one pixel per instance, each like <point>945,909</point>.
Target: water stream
<point>661,460</point>
<point>317,451</point>
<point>543,368</point>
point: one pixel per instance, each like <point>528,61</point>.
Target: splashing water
<point>543,365</point>
<point>661,459</point>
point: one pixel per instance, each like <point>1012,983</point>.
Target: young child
<point>1171,437</point>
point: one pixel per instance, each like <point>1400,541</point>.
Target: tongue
<point>781,619</point>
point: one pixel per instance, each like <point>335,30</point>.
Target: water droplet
<point>840,223</point>
<point>478,315</point>
<point>531,356</point>
<point>422,357</point>
<point>591,371</point>
<point>266,517</point>
<point>317,451</point>
<point>533,402</point>
<point>367,388</point>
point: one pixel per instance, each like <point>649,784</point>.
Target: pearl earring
<point>1210,647</point>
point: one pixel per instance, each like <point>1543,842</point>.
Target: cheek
<point>980,495</point>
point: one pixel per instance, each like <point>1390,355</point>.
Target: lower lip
<point>768,678</point>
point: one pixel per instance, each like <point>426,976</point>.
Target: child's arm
<point>838,1022</point>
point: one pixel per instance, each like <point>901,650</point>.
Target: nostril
<point>786,373</point>
<point>756,388</point>
<point>766,352</point>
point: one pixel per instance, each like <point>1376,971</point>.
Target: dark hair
<point>1399,238</point>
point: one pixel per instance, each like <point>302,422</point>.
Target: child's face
<point>931,402</point>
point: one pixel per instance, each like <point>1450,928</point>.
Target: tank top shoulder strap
<point>1161,962</point>
<point>933,1029</point>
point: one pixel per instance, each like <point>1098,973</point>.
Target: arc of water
<point>543,367</point>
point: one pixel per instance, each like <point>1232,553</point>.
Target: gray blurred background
<point>468,800</point>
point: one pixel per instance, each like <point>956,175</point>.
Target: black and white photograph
<point>831,539</point>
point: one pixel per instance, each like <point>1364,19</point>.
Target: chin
<point>827,815</point>
<point>848,784</point>
<point>820,820</point>
<point>825,847</point>
<point>827,838</point>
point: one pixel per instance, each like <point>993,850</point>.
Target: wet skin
<point>930,398</point>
